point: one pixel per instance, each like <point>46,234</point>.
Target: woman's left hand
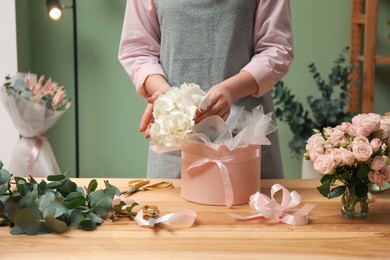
<point>221,102</point>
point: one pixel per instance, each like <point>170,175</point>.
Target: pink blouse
<point>139,48</point>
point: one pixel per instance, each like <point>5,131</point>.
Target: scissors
<point>139,185</point>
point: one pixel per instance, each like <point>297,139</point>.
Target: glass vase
<point>353,206</point>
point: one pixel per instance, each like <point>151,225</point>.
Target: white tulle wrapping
<point>32,120</point>
<point>242,128</point>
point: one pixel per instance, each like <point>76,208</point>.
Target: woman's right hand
<point>147,117</point>
<point>155,85</point>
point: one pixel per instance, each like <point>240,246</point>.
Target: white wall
<point>8,65</point>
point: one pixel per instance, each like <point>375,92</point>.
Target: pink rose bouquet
<point>354,153</point>
<point>34,106</point>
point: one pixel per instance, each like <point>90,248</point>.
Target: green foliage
<point>329,109</point>
<point>353,177</point>
<point>31,208</point>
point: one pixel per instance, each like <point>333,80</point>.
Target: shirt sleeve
<point>139,47</point>
<point>273,44</point>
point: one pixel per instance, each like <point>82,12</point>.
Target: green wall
<point>109,108</point>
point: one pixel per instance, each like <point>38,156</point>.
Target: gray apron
<point>206,42</point>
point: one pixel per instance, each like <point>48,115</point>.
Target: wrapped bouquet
<point>34,106</point>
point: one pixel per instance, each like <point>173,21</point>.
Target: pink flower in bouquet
<point>325,164</point>
<point>336,136</point>
<point>366,123</point>
<point>375,144</point>
<point>362,152</point>
<point>54,96</point>
<point>315,145</point>
<point>58,97</point>
<point>378,163</point>
<point>49,88</point>
<point>348,157</point>
<point>380,177</point>
<point>385,126</point>
<point>343,156</point>
<point>356,154</point>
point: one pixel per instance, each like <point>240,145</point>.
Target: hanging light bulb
<point>54,10</point>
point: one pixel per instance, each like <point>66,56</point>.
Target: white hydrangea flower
<point>174,113</point>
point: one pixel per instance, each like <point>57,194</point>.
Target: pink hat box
<point>220,176</point>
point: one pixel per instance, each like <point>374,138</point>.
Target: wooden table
<point>216,235</point>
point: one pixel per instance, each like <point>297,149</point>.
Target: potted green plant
<point>328,109</point>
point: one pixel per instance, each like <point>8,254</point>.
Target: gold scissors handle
<point>163,185</point>
<point>139,185</point>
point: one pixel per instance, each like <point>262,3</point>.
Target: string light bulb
<point>54,10</point>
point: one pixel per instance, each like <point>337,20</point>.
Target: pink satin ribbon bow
<point>184,217</point>
<point>35,152</point>
<point>221,162</point>
<point>269,208</point>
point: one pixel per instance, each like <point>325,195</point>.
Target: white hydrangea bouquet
<point>174,113</point>
<point>34,106</point>
<point>231,148</point>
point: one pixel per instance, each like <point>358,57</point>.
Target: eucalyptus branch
<point>53,205</point>
<point>330,109</point>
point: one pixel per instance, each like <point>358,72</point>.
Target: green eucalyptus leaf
<point>95,197</point>
<point>4,198</point>
<point>87,224</point>
<point>20,180</point>
<point>101,201</point>
<point>56,177</point>
<point>92,186</point>
<point>27,201</point>
<point>74,200</point>
<point>95,218</point>
<point>3,188</point>
<point>5,176</point>
<point>11,206</point>
<point>103,207</point>
<point>1,164</point>
<point>42,187</point>
<point>32,181</point>
<point>75,218</point>
<point>15,230</point>
<point>23,189</point>
<point>28,220</point>
<point>50,205</point>
<point>111,190</point>
<point>55,225</point>
<point>68,186</point>
<point>53,185</point>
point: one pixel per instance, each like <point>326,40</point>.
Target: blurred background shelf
<point>363,56</point>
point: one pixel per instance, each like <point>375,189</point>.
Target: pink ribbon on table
<point>178,216</point>
<point>269,208</point>
<point>199,161</point>
<point>35,152</point>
